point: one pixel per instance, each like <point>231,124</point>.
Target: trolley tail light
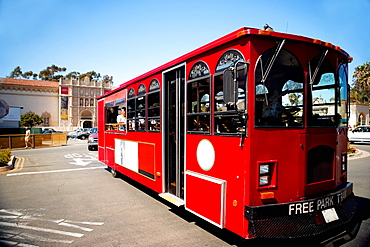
<point>344,162</point>
<point>267,174</point>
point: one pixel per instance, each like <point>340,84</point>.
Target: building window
<point>46,121</point>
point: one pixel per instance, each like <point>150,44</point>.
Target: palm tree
<point>360,93</point>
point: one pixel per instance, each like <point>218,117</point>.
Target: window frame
<point>141,112</point>
<point>131,110</point>
<point>197,115</point>
<point>154,89</point>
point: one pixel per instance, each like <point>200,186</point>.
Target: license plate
<point>330,215</point>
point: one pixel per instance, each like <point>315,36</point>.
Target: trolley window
<point>198,98</point>
<point>131,110</point>
<point>140,108</point>
<point>154,120</point>
<point>343,106</point>
<point>279,90</point>
<point>115,112</point>
<point>323,87</point>
<point>228,120</point>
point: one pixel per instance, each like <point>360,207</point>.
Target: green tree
<point>29,74</point>
<point>91,75</point>
<point>16,73</point>
<point>50,73</point>
<point>30,119</point>
<point>73,75</point>
<point>107,78</point>
<point>360,92</point>
<point>361,76</point>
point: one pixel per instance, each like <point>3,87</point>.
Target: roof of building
<point>33,83</point>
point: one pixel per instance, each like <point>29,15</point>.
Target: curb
<point>358,155</point>
<point>10,165</point>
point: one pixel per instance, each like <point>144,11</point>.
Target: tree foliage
<point>91,75</point>
<point>361,76</point>
<point>54,73</point>
<point>29,74</point>
<point>50,73</point>
<point>360,92</point>
<point>16,73</point>
<point>30,119</point>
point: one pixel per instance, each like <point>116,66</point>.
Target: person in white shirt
<point>121,120</point>
<point>27,137</point>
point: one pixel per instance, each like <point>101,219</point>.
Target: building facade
<point>359,115</point>
<point>63,105</point>
<point>78,102</point>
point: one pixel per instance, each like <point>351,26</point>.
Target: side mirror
<point>230,82</point>
<point>230,86</point>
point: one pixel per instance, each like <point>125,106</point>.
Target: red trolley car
<point>248,132</point>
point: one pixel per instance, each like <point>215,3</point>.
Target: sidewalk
<point>358,155</point>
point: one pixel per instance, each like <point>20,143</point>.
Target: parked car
<point>92,141</point>
<point>50,131</point>
<point>82,134</point>
<point>359,134</point>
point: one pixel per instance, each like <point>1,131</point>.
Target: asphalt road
<point>63,196</point>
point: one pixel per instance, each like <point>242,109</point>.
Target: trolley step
<point>172,199</point>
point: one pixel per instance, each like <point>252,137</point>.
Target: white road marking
<point>73,234</point>
<point>9,211</point>
<point>80,162</point>
<point>22,236</point>
<point>54,171</point>
<point>75,226</point>
<point>3,217</point>
<point>80,159</point>
<point>22,216</point>
<point>21,220</point>
<point>12,243</point>
<point>85,222</point>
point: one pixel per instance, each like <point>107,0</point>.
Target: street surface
<point>63,196</point>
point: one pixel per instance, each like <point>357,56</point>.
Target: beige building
<point>64,105</point>
<point>359,115</point>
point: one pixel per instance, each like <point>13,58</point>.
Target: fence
<point>36,140</point>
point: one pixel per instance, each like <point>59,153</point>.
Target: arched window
<point>343,97</point>
<point>153,121</point>
<point>131,110</point>
<point>198,95</point>
<point>199,69</point>
<point>323,93</point>
<point>141,108</point>
<point>228,59</point>
<point>227,119</point>
<point>278,90</point>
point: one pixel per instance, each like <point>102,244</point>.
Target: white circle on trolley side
<point>205,154</point>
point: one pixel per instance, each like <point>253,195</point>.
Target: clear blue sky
<point>130,37</point>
